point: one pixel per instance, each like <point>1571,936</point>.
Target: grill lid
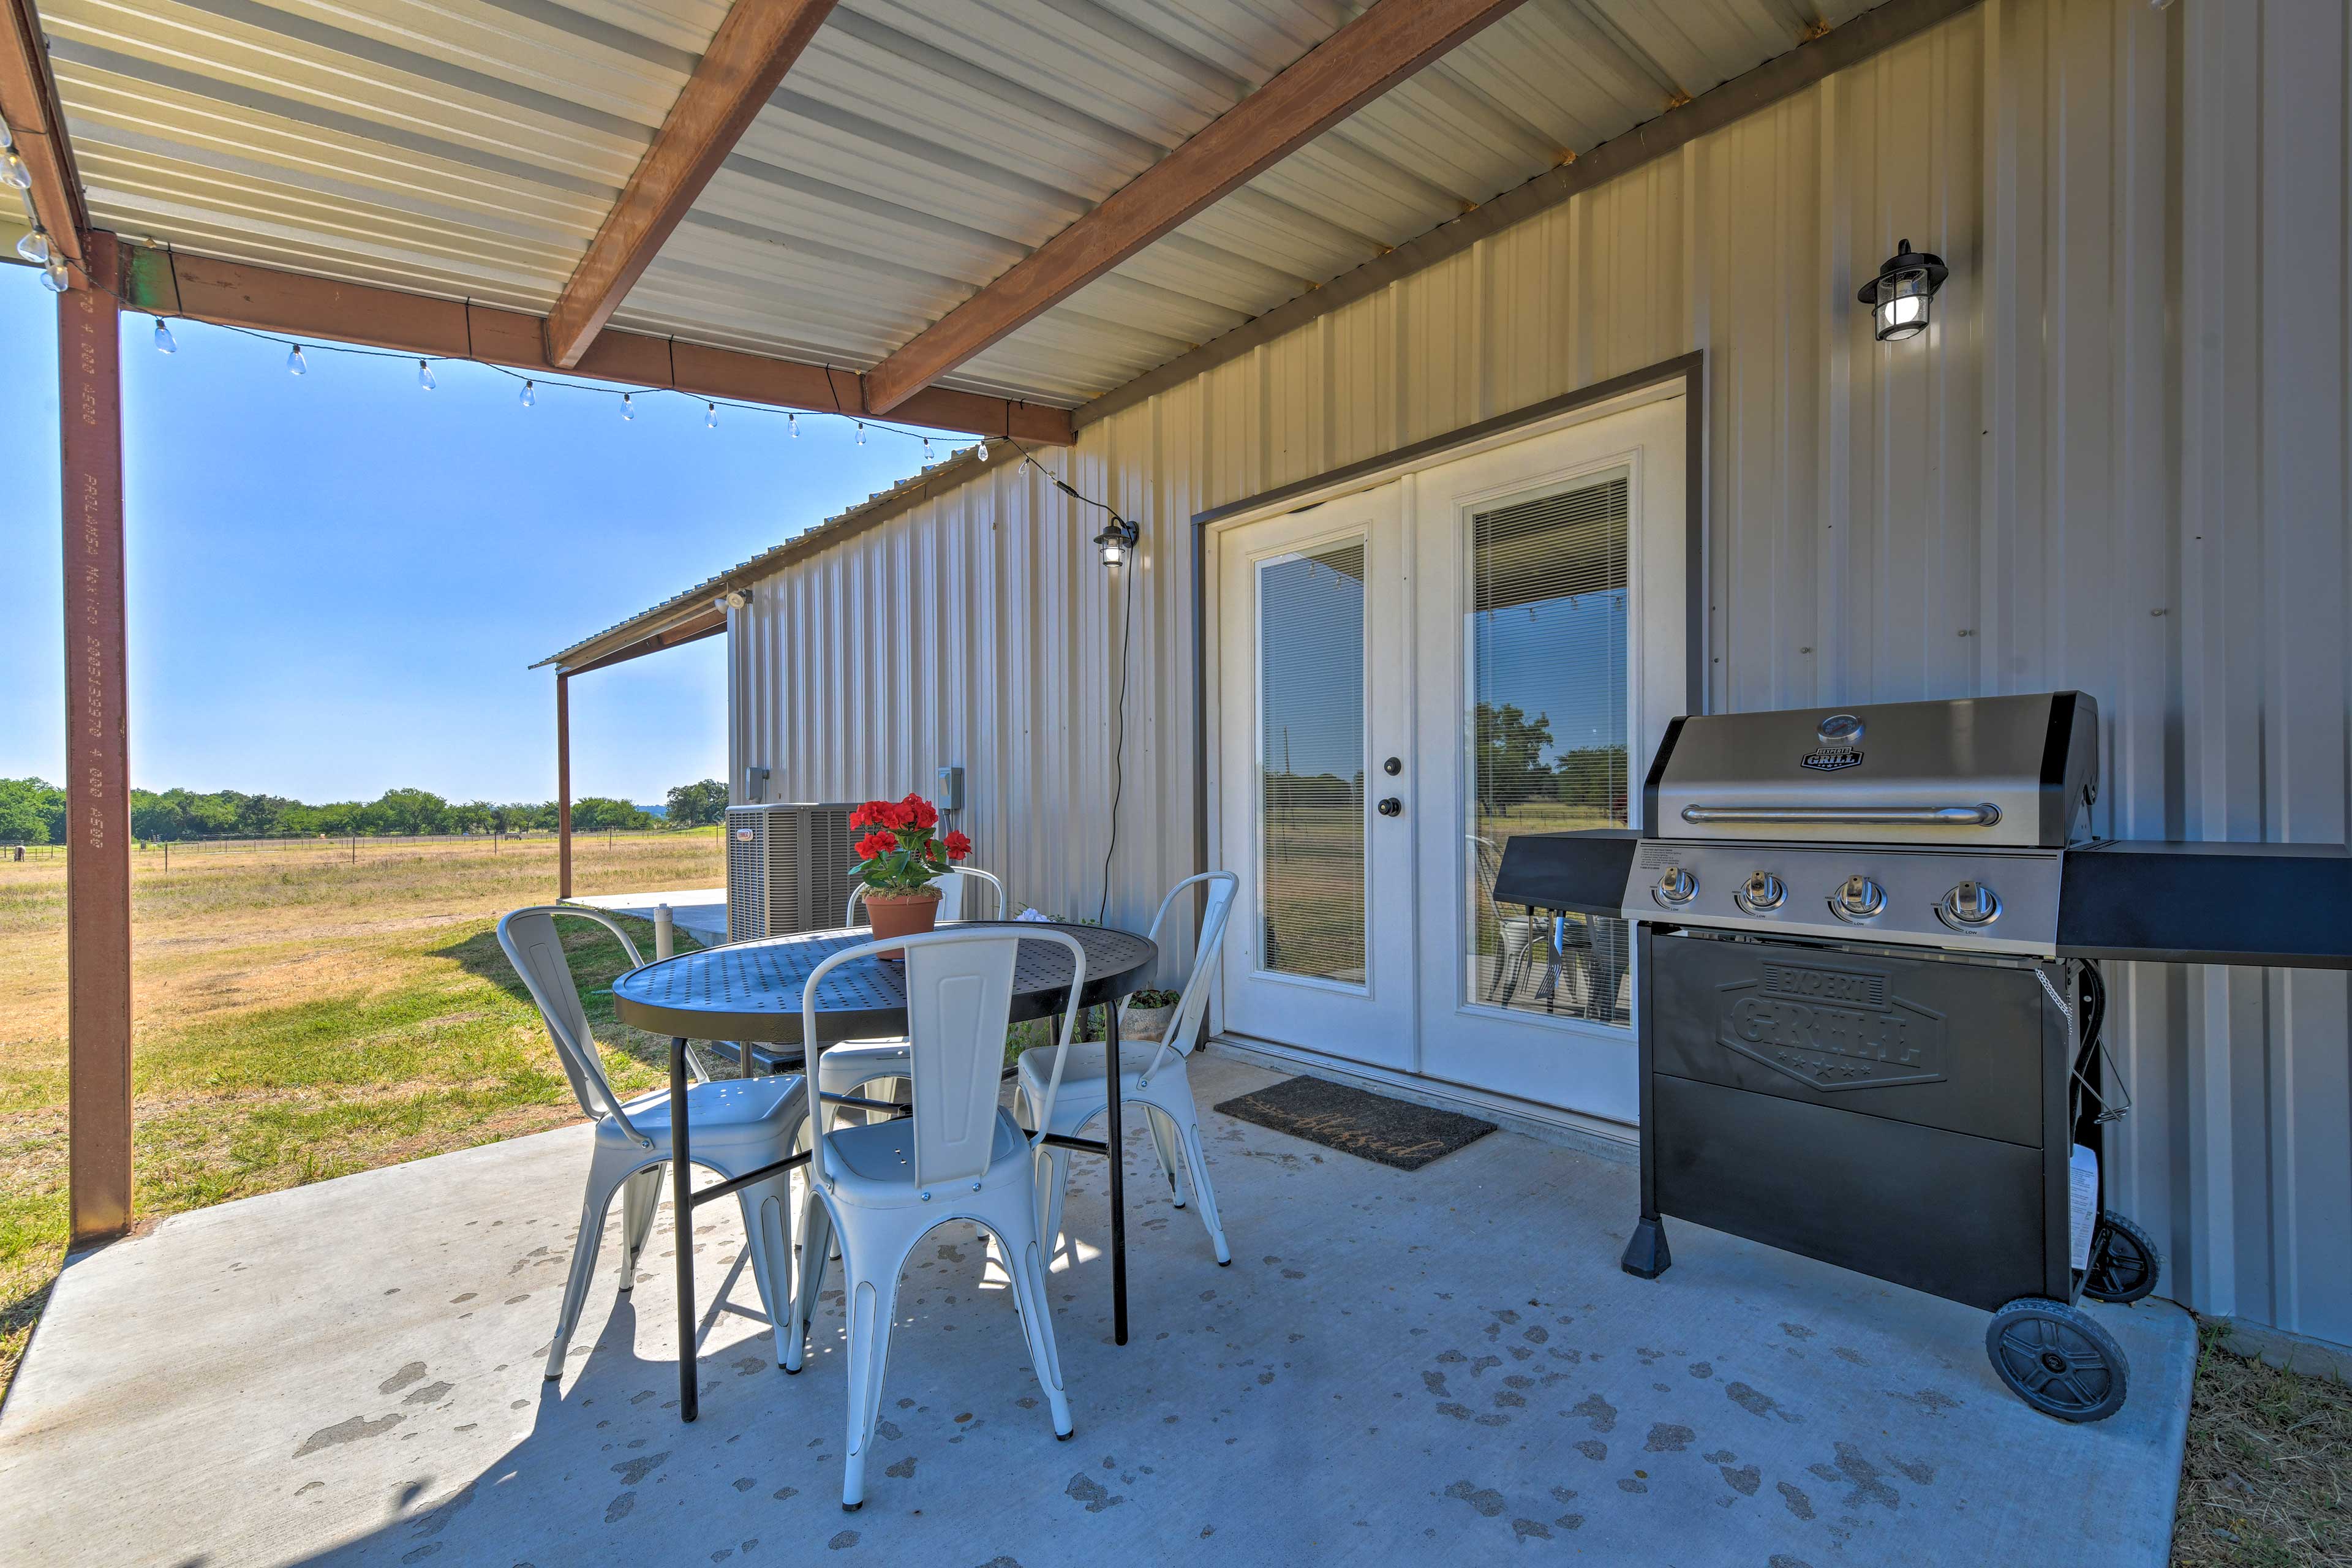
<point>1978,772</point>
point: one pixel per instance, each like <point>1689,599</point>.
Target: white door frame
<point>1685,374</point>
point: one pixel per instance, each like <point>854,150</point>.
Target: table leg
<point>682,1225</point>
<point>1118,1177</point>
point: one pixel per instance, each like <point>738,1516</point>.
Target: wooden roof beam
<point>28,102</point>
<point>748,55</point>
<point>320,310</point>
<point>1322,87</point>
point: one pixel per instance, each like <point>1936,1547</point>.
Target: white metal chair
<point>853,1064</point>
<point>737,1126</point>
<point>887,1184</point>
<point>1160,1085</point>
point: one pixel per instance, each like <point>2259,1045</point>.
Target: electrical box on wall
<point>950,789</point>
<point>755,784</point>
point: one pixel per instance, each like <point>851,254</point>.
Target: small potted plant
<point>1147,1014</point>
<point>897,859</point>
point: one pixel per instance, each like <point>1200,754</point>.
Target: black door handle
<point>1392,806</point>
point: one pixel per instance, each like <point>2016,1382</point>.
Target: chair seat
<point>844,1067</point>
<point>876,1162</point>
<point>1081,1097</point>
<point>726,1114</point>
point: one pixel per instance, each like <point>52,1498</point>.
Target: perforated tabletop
<point>751,991</point>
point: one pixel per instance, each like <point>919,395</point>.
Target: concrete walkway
<point>1446,1364</point>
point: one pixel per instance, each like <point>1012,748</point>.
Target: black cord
<point>1119,743</point>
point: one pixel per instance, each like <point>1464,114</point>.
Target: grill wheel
<point>2053,1357</point>
<point>2123,1261</point>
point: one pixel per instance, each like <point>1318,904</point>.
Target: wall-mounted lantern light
<point>1117,540</point>
<point>1898,297</point>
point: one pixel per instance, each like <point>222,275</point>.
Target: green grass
<point>302,1019</point>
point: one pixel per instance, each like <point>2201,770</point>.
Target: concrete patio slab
<point>1447,1362</point>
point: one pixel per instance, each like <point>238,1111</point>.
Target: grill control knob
<point>1676,888</point>
<point>1860,899</point>
<point>1762,891</point>
<point>1969,904</point>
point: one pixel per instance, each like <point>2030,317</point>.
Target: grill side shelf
<point>2286,906</point>
<point>1580,873</point>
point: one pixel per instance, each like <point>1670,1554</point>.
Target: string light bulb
<point>53,276</point>
<point>861,432</point>
<point>163,343</point>
<point>628,407</point>
<point>981,450</point>
<point>529,398</point>
<point>295,363</point>
<point>14,170</point>
<point>35,246</point>
<point>711,416</point>
<point>793,425</point>
<point>424,374</point>
<point>927,451</point>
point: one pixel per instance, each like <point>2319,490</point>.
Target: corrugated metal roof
<point>936,478</point>
<point>470,148</point>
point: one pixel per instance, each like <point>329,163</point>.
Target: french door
<point>1410,676</point>
<point>1319,949</point>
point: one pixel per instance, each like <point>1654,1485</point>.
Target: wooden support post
<point>563,784</point>
<point>98,759</point>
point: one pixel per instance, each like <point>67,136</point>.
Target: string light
<point>53,276</point>
<point>57,277</point>
<point>14,170</point>
<point>35,246</point>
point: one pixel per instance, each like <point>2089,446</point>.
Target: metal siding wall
<point>2119,462</point>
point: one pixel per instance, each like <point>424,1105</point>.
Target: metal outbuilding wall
<point>2118,463</point>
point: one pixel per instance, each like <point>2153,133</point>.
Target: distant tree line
<point>33,811</point>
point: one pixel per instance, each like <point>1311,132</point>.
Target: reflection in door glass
<point>1311,763</point>
<point>1546,647</point>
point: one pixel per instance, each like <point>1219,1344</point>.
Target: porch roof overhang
<point>1029,205</point>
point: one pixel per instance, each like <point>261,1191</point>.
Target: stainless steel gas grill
<point>1869,1006</point>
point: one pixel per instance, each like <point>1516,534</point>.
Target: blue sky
<point>337,580</point>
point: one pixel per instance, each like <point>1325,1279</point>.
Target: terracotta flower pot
<point>902,914</point>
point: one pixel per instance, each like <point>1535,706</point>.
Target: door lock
<point>1393,767</point>
<point>1392,806</point>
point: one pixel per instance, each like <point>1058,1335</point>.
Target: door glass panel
<point>1311,763</point>
<point>1546,651</point>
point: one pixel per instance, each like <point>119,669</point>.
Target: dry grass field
<point>301,1016</point>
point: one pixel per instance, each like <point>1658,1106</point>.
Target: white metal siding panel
<point>2119,462</point>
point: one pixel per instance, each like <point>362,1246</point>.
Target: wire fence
<point>354,847</point>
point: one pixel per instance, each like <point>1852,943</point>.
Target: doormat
<point>1393,1132</point>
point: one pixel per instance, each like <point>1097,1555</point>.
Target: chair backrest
<point>959,1006</point>
<point>1192,1001</point>
<point>530,940</point>
<point>951,886</point>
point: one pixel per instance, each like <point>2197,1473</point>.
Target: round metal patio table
<point>750,993</point>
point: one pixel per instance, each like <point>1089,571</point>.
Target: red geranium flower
<point>873,814</point>
<point>875,842</point>
<point>925,815</point>
<point>957,846</point>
